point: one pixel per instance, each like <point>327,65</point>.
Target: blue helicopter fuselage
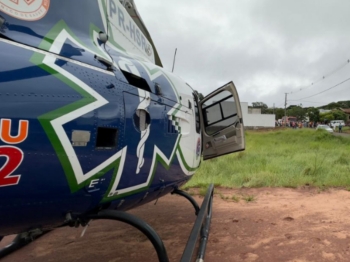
<point>85,123</point>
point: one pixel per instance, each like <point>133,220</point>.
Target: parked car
<point>325,127</point>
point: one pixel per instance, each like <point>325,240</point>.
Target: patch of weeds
<point>223,197</point>
<point>342,160</point>
<point>322,135</point>
<point>240,155</point>
<point>321,189</point>
<point>216,191</point>
<point>235,198</point>
<point>293,186</point>
<point>246,180</point>
<point>307,171</point>
<point>212,160</point>
<point>249,198</point>
<point>203,185</point>
<point>185,188</point>
<point>317,165</point>
<point>191,192</point>
<point>203,191</point>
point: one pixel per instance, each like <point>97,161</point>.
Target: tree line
<point>312,112</point>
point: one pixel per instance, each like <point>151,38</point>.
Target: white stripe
<point>120,171</point>
<point>182,165</point>
<point>40,51</point>
<point>58,123</point>
<point>155,152</point>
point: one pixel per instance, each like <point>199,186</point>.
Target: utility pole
<point>273,108</point>
<point>285,109</point>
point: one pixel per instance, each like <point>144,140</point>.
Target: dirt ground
<point>278,225</point>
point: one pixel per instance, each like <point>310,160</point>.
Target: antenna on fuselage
<point>174,60</point>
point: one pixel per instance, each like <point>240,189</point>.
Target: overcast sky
<point>266,47</point>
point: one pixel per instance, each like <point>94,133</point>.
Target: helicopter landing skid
<point>16,244</point>
<point>137,223</point>
<point>20,241</point>
<point>200,227</point>
<point>188,197</point>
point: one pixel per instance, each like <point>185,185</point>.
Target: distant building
<point>322,111</point>
<point>252,110</point>
<point>252,118</point>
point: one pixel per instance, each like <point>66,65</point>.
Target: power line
<point>323,77</point>
<point>323,90</point>
<point>308,101</point>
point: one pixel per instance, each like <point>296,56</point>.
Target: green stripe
<point>158,159</point>
<point>184,161</point>
<point>45,120</point>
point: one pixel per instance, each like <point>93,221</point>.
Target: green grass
<point>281,158</point>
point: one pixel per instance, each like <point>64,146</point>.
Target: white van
<point>335,123</point>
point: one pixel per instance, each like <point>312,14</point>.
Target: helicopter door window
<point>219,112</point>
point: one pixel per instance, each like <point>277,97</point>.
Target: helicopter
<point>92,125</point>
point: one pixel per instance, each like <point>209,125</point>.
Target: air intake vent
<point>137,81</point>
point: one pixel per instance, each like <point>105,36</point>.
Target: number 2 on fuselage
<point>14,155</point>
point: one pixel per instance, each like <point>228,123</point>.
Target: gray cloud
<point>266,47</point>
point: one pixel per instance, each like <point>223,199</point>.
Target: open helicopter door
<point>222,122</point>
